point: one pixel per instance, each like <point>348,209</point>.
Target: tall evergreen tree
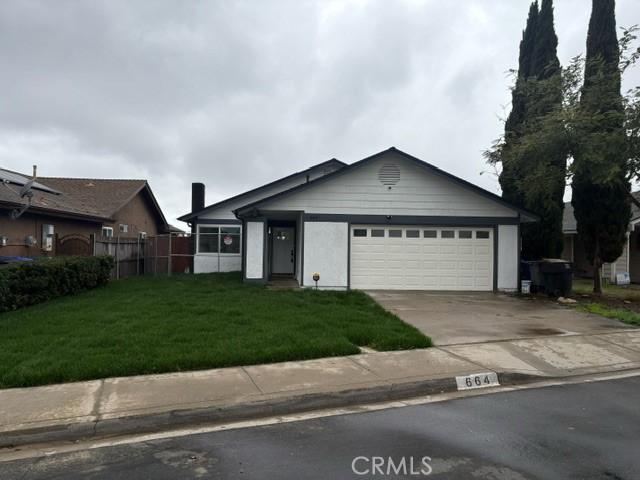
<point>546,165</point>
<point>510,177</point>
<point>600,182</point>
<point>534,177</point>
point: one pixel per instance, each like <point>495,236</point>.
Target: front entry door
<point>283,250</point>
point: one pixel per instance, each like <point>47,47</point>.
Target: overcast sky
<point>236,94</point>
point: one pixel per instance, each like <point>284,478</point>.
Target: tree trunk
<point>597,263</point>
<point>597,279</point>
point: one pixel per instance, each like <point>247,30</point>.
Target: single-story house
<point>389,221</point>
<point>63,213</point>
<point>628,262</point>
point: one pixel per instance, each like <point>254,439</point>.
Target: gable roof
<point>526,215</point>
<point>569,224</point>
<point>90,198</point>
<point>332,162</point>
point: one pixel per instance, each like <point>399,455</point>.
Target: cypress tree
<point>510,177</point>
<point>600,183</point>
<point>533,172</point>
<point>545,166</point>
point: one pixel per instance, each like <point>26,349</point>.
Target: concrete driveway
<point>451,318</point>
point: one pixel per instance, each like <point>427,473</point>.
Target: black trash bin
<point>552,275</point>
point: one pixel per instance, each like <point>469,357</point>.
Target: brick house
<point>63,219</point>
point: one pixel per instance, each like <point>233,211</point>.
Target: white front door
<point>283,250</point>
<point>421,258</point>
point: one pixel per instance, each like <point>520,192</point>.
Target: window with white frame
<point>221,239</point>
<point>107,231</point>
<point>124,228</point>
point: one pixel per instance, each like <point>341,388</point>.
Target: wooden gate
<point>73,244</point>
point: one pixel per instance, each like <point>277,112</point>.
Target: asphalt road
<point>587,431</point>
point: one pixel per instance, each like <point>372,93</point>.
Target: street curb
<point>154,422</point>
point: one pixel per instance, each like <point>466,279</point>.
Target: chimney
<point>197,197</point>
<point>35,171</point>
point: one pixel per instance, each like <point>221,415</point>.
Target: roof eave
<point>55,213</point>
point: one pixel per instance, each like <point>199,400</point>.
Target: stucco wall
<point>138,215</point>
<point>326,251</point>
<point>508,257</point>
<point>212,262</point>
<point>29,224</point>
<point>255,250</point>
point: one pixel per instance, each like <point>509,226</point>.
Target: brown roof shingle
<point>97,198</point>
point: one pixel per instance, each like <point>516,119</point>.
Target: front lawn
<point>630,293</point>
<point>621,302</point>
<point>164,324</point>
<point>622,314</point>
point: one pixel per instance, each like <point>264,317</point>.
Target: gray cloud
<point>236,94</point>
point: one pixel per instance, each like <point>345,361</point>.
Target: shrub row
<point>28,283</point>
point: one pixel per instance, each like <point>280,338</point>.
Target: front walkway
<point>123,405</point>
<point>451,318</point>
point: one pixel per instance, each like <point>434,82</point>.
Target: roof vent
<point>389,174</point>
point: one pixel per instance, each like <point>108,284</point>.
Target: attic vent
<point>389,174</point>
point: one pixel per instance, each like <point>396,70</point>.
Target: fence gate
<point>73,244</point>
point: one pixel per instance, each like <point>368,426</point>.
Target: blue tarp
<point>14,259</point>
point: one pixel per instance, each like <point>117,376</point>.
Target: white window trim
<point>108,229</point>
<point>218,226</point>
<point>125,229</point>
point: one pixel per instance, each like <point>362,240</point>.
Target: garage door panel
<point>422,263</point>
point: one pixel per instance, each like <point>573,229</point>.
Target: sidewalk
<point>154,402</point>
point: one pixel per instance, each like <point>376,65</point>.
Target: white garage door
<point>421,258</point>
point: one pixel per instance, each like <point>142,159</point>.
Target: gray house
<point>628,262</point>
<point>389,221</point>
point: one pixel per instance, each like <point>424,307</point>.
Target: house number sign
<point>477,380</point>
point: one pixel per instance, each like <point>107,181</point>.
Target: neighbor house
<point>62,216</point>
<point>628,262</point>
<point>389,221</point>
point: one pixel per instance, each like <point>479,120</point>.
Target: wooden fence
<point>157,254</point>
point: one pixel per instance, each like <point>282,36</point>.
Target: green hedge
<point>28,283</point>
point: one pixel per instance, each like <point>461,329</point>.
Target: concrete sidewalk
<point>154,402</point>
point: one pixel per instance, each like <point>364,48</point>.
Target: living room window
<point>221,239</point>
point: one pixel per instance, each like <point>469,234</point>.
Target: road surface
<point>586,430</point>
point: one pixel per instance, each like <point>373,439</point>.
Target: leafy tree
<point>601,185</point>
<point>587,127</point>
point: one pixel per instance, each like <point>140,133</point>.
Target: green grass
<point>583,286</point>
<point>151,325</point>
<point>624,315</point>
